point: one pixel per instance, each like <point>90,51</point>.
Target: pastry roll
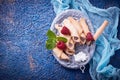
<point>88,34</point>
<point>76,25</point>
<point>57,52</point>
<point>70,51</point>
<point>82,38</point>
<point>60,54</point>
<point>74,33</point>
<point>64,57</point>
<point>84,26</point>
<point>100,30</point>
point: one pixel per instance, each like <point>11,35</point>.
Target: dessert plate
<point>88,50</point>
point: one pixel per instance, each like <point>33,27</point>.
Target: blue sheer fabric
<point>107,43</point>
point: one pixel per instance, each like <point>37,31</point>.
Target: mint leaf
<point>62,39</point>
<point>52,40</point>
<point>51,34</point>
<point>50,44</point>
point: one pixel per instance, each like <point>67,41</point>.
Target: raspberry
<point>65,31</point>
<point>61,45</point>
<point>89,37</point>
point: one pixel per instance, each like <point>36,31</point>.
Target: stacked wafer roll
<point>76,31</point>
<point>60,54</point>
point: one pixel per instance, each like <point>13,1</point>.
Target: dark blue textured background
<point>23,56</point>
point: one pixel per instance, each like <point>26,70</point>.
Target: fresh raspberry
<point>65,31</point>
<point>89,37</point>
<point>61,45</point>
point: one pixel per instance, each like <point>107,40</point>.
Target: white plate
<point>89,50</point>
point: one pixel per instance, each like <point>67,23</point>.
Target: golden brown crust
<point>100,30</point>
<point>60,54</point>
<point>84,26</point>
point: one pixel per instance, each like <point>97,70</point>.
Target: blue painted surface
<point>23,56</point>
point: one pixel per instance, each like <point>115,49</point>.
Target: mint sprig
<point>51,34</point>
<point>52,40</point>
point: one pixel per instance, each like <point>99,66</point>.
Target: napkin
<point>106,44</point>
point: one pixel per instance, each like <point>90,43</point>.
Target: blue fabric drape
<point>107,43</point>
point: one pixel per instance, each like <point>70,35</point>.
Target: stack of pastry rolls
<point>79,33</point>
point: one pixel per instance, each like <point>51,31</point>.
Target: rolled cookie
<point>82,38</point>
<point>60,54</point>
<point>76,25</point>
<point>100,30</point>
<point>88,34</point>
<point>84,26</point>
<point>74,33</point>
